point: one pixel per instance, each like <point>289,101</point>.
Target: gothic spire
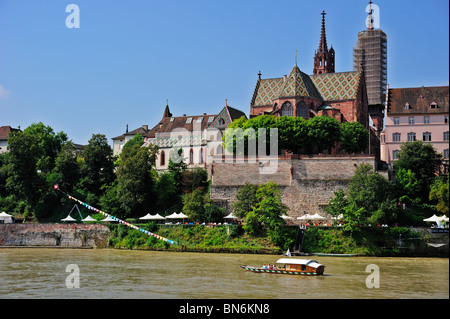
<point>323,38</point>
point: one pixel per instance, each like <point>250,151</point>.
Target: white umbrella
<point>286,217</point>
<point>68,219</point>
<point>148,216</point>
<point>89,219</point>
<point>156,216</point>
<point>305,217</point>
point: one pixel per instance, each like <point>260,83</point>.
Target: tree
<point>324,132</point>
<point>66,168</point>
<point>166,191</point>
<point>98,168</point>
<point>292,133</point>
<point>440,193</point>
<point>423,160</point>
<point>194,205</point>
<point>337,204</point>
<point>354,137</point>
<point>266,214</point>
<point>408,186</point>
<point>135,180</point>
<point>245,200</point>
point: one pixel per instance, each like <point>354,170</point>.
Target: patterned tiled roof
<point>228,114</point>
<point>184,141</point>
<point>327,87</point>
<point>337,86</point>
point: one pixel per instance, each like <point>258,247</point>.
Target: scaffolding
<point>370,54</point>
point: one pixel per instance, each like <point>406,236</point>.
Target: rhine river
<point>108,273</point>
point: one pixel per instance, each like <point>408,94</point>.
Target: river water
<point>107,273</point>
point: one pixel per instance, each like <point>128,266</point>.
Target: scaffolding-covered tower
<point>370,56</point>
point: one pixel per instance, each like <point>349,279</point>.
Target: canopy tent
<point>305,217</point>
<point>173,216</point>
<point>153,217</point>
<point>231,216</point>
<point>89,219</point>
<point>7,218</point>
<point>68,219</point>
<point>286,217</point>
<point>433,218</point>
<point>181,215</point>
<point>108,219</point>
<point>317,217</point>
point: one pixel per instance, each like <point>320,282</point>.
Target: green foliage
<point>245,200</point>
<point>423,160</point>
<point>337,204</point>
<point>440,193</point>
<point>193,205</point>
<point>354,137</point>
<point>323,132</point>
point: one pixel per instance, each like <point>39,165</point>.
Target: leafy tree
<point>423,160</point>
<point>67,169</point>
<point>166,191</point>
<point>440,193</point>
<point>354,137</point>
<point>337,204</point>
<point>324,132</point>
<point>135,180</point>
<point>408,186</point>
<point>213,213</point>
<point>49,144</point>
<point>266,215</point>
<point>98,168</point>
<point>194,205</point>
<point>292,133</point>
<point>245,200</point>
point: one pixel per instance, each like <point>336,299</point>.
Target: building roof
<point>418,100</point>
<point>228,114</point>
<point>5,130</point>
<point>326,87</point>
<point>143,130</point>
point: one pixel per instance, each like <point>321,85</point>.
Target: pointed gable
<point>298,84</point>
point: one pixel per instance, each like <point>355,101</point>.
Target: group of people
<point>268,266</point>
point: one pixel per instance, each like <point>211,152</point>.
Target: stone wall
<point>57,235</point>
<point>307,182</point>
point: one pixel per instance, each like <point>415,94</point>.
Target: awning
<point>89,219</point>
<point>153,217</point>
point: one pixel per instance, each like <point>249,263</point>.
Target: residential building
<point>4,134</point>
<point>420,113</point>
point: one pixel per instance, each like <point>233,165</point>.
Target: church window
<point>287,109</point>
<point>162,160</point>
<point>221,121</point>
<point>302,111</point>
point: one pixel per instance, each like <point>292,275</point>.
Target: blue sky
<point>128,57</point>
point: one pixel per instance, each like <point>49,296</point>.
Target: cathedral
<point>340,95</point>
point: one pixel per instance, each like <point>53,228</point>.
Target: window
<point>189,120</point>
<point>446,119</point>
<point>446,153</point>
<point>162,159</point>
<point>199,120</point>
<point>411,120</point>
<point>433,105</point>
<point>302,111</point>
<point>426,137</point>
<point>191,156</point>
<point>210,119</point>
<point>396,137</point>
<point>411,137</point>
<point>446,136</point>
<point>396,120</point>
<point>287,109</point>
<point>221,121</point>
<point>395,154</point>
<point>426,120</point>
<point>407,106</point>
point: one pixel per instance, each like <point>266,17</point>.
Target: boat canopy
<point>292,261</point>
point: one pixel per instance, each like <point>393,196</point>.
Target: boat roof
<point>292,261</point>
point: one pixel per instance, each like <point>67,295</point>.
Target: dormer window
<point>221,121</point>
<point>407,106</point>
<point>433,105</point>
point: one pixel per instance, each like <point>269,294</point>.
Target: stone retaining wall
<point>54,235</point>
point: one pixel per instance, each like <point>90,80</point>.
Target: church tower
<point>323,58</point>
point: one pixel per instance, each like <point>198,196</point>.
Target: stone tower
<point>323,58</point>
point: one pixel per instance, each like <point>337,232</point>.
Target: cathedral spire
<point>323,38</point>
<point>323,59</point>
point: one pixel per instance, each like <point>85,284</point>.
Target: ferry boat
<point>290,266</point>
